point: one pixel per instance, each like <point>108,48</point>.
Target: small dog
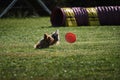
<point>48,40</point>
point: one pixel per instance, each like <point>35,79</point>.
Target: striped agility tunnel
<point>80,16</point>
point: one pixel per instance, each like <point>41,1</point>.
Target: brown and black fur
<point>48,40</point>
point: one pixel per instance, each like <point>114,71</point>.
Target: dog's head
<point>48,40</point>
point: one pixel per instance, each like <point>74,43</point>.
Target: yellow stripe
<point>70,17</point>
<point>93,16</point>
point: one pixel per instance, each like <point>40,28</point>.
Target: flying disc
<point>70,37</point>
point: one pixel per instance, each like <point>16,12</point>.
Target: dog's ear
<point>45,36</point>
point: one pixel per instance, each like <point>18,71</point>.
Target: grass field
<point>94,56</point>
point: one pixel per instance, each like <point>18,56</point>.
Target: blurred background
<point>32,8</point>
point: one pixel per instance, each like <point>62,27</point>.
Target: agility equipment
<point>8,8</point>
<point>80,16</point>
<point>70,17</point>
<point>70,37</point>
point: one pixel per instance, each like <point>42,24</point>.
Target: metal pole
<point>44,6</point>
<point>8,8</point>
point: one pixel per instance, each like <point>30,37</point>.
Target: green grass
<point>94,56</point>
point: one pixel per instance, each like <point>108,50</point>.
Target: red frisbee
<point>70,37</point>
